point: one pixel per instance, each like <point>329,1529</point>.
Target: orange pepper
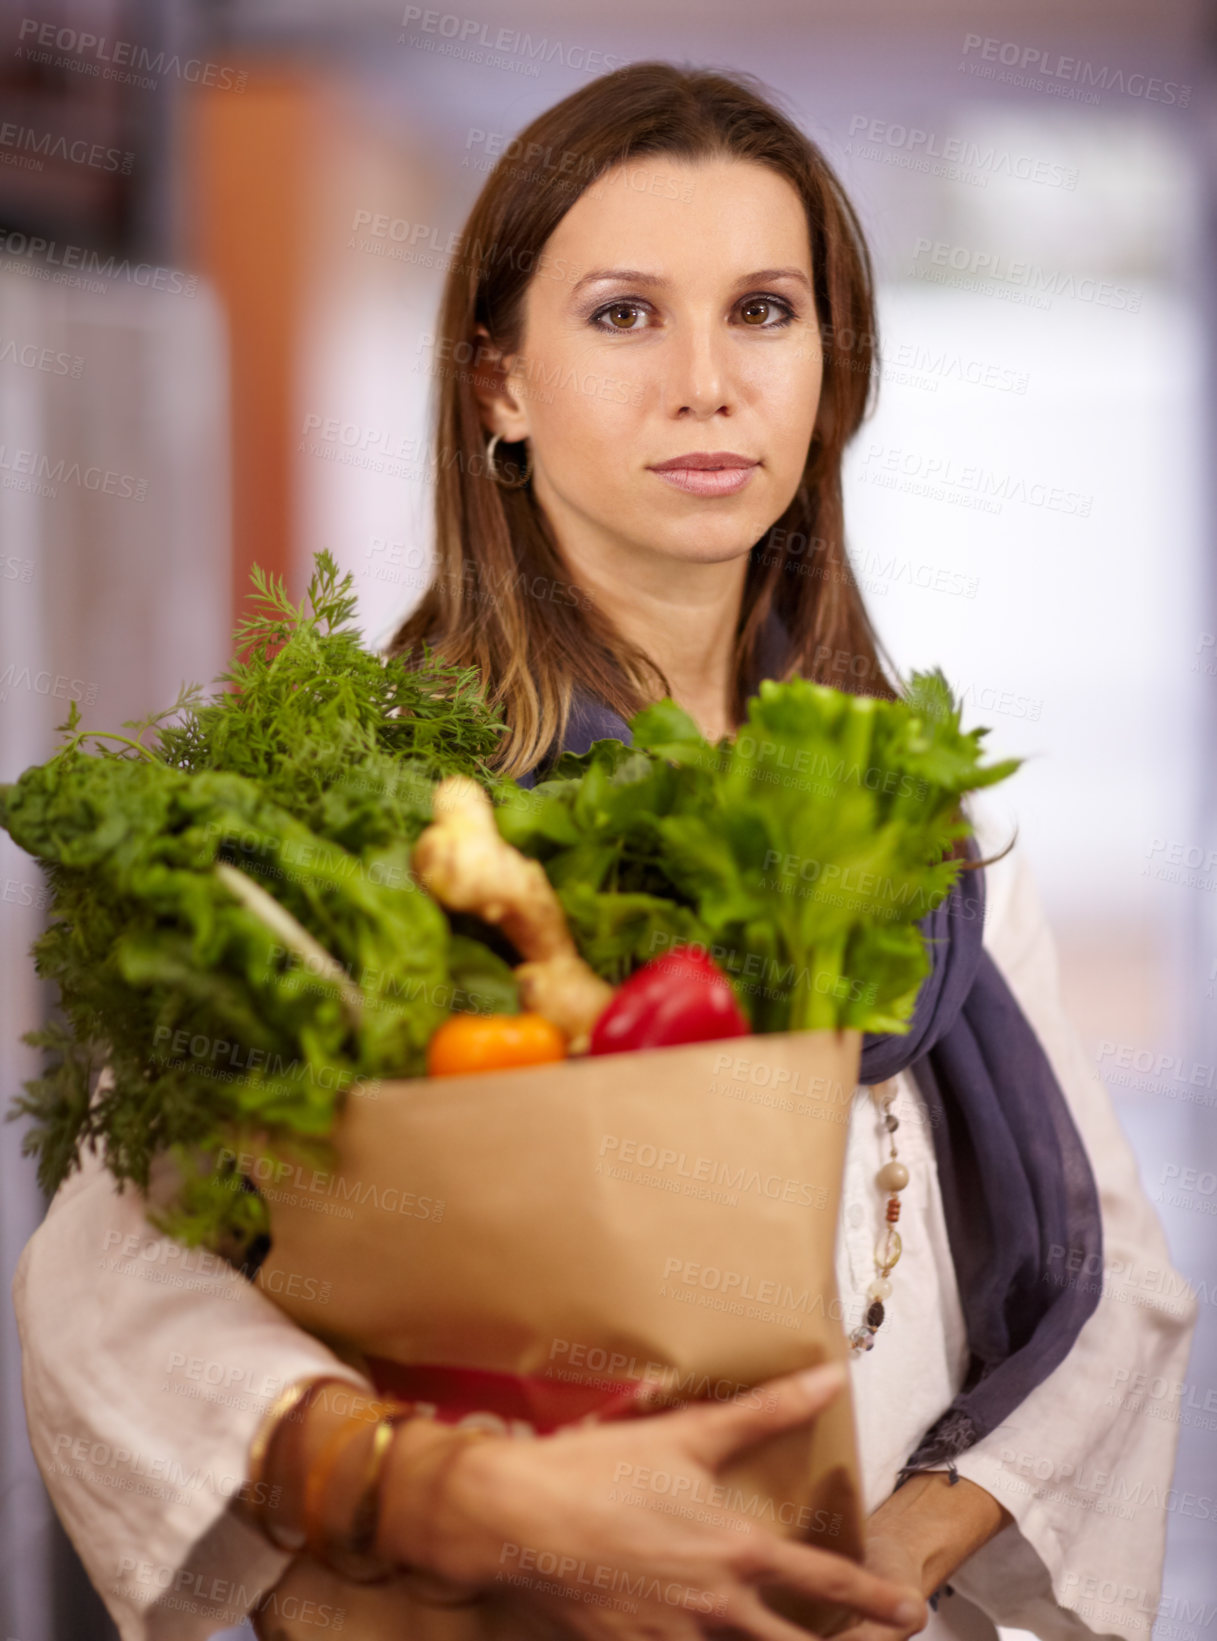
<point>492,1042</point>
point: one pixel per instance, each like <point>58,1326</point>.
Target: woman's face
<point>671,317</point>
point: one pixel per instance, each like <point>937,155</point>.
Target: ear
<point>497,387</point>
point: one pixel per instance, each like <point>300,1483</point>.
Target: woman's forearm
<point>452,1507</point>
<point>314,1467</point>
<point>940,1523</point>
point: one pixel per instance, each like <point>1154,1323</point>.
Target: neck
<point>683,617</point>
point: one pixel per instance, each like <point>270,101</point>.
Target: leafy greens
<point>237,937</point>
<point>235,932</point>
<point>802,852</point>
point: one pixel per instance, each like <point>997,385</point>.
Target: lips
<point>706,460</point>
<point>707,472</point>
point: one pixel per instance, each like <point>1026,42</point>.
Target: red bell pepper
<point>681,997</point>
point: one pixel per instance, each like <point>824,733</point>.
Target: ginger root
<point>463,861</point>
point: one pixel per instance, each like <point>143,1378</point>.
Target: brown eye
<point>756,310</point>
<point>618,316</point>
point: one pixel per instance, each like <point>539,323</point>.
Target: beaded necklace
<point>891,1179</point>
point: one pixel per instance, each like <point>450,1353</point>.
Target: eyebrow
<point>639,276</point>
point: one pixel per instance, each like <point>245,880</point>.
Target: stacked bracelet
<point>292,1402</point>
<point>350,1555</point>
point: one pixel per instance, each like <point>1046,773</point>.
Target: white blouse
<point>142,1435</point>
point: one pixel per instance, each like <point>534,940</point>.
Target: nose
<point>699,372</point>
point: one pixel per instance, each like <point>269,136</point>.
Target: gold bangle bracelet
<point>297,1396</point>
<point>353,1557</point>
<point>317,1481</point>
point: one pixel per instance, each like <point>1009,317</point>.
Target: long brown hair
<point>501,597</point>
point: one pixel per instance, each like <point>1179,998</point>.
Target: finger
<point>870,1632</point>
<point>720,1430</point>
<point>866,1631</point>
<point>750,1614</point>
<point>831,1577</point>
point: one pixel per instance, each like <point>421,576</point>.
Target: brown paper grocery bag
<point>657,1225</point>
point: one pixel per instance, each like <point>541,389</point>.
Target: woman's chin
<point>704,548</point>
<point>705,535</point>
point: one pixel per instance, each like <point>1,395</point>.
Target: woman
<point>664,312</point>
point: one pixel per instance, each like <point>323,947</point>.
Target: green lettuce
<point>802,852</point>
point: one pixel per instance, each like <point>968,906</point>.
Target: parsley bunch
<point>235,932</point>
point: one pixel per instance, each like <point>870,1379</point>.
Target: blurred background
<point>224,226</point>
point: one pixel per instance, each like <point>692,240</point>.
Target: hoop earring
<point>507,484</point>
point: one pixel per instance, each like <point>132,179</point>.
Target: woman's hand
<point>921,1534</point>
<point>888,1555</point>
<point>578,1500</point>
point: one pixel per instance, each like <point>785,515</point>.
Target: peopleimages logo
<point>871,138</point>
<point>974,267</point>
<point>40,252</point>
<point>35,470</point>
<point>49,145</point>
<point>1039,63</point>
<point>471,37</point>
<point>122,60</point>
<point>940,476</point>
